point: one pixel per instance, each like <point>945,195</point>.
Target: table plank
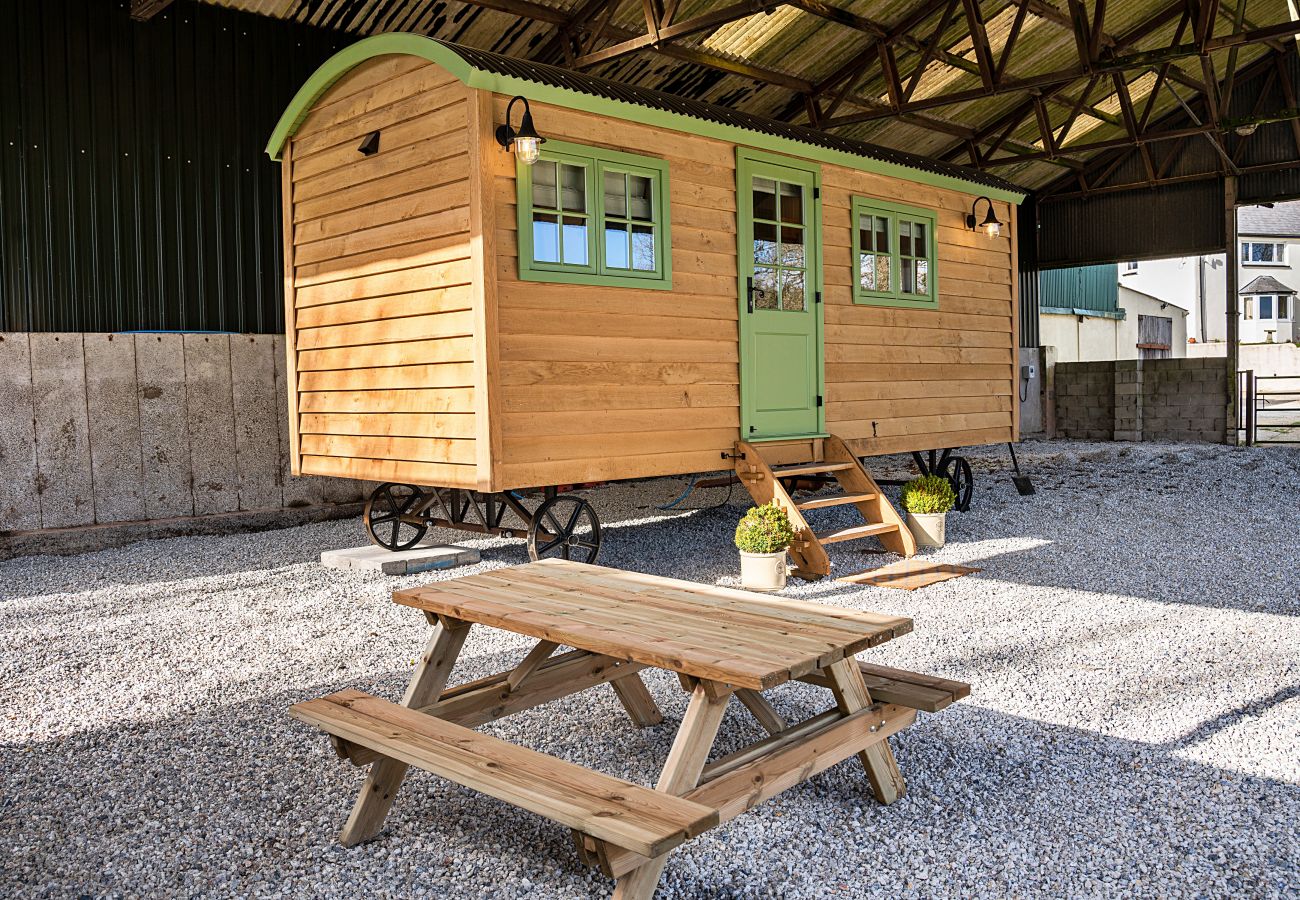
<point>709,632</point>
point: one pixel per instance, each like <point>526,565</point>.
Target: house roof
<point>1265,284</point>
<point>566,87</point>
<point>1280,220</point>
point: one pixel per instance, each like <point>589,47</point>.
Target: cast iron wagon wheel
<point>565,526</point>
<point>388,517</point>
<point>959,475</point>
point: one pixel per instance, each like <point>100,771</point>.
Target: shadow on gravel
<point>239,799</point>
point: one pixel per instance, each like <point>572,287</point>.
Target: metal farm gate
<point>1269,411</point>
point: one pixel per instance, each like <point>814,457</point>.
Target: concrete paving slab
<point>403,562</point>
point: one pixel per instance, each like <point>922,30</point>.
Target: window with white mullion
<point>1263,253</point>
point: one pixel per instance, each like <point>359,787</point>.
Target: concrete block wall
<point>1142,400</point>
<point>111,428</point>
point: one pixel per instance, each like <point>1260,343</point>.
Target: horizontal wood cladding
<point>605,383</point>
<point>383,279</point>
<point>600,383</point>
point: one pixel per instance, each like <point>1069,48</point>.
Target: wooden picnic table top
<point>714,633</point>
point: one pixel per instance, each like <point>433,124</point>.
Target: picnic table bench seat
<point>928,693</point>
<point>645,821</point>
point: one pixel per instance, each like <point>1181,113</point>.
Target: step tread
<point>628,815</point>
<point>833,500</point>
<point>812,469</point>
<point>855,531</point>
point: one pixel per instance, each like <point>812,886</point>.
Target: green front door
<point>780,297</point>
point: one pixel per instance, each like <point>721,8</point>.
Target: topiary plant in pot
<point>762,538</point>
<point>928,500</point>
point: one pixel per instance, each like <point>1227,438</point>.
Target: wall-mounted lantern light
<point>991,226</point>
<point>526,142</point>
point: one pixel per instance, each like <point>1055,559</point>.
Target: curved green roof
<point>576,90</point>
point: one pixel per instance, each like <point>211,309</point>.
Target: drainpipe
<point>1200,296</point>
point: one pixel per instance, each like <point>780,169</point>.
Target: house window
<point>1283,307</point>
<point>1263,253</point>
<point>593,216</point>
<point>895,251</point>
<point>1265,307</point>
<point>1248,308</point>
<point>1130,267</point>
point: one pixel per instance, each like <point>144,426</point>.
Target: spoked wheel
<point>389,519</point>
<point>565,526</point>
<point>962,480</point>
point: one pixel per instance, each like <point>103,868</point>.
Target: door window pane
<point>764,198</point>
<point>792,290</point>
<point>792,253</point>
<point>764,243</point>
<point>765,288</point>
<point>792,203</point>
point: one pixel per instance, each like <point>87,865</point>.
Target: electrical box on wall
<point>1027,373</point>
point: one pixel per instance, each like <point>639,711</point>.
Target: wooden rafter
<point>980,42</point>
<point>656,36</point>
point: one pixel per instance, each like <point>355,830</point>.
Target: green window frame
<point>894,255</point>
<point>587,215</point>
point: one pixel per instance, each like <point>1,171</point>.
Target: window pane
<point>764,243</point>
<point>792,246</point>
<point>792,290</point>
<point>615,195</point>
<point>908,272</point>
<point>1248,308</point>
<point>573,188</point>
<point>882,273</point>
<point>923,276</point>
<point>1283,307</point>
<point>905,238</point>
<point>918,239</point>
<point>765,288</point>
<point>867,271</point>
<point>1245,252</point>
<point>616,255</point>
<point>643,248</point>
<point>882,234</point>
<point>575,240</point>
<point>764,198</point>
<point>1266,307</point>
<point>640,198</point>
<point>544,185</point>
<point>546,238</point>
<point>792,203</point>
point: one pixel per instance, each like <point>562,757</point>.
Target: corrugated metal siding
<point>1094,288</point>
<point>1027,257</point>
<point>134,193</point>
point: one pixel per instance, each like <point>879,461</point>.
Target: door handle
<point>749,292</point>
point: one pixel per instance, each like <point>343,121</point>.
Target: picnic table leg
<point>680,774</point>
<point>386,775</point>
<point>636,699</point>
<point>851,695</point>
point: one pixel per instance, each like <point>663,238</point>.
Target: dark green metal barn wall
<point>134,193</point>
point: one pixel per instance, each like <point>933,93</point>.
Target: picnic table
<point>720,642</point>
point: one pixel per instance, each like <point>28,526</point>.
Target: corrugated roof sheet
<point>554,76</point>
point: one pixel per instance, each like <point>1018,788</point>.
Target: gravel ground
<point>1134,726</point>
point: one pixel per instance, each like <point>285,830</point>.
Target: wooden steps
<point>857,531</point>
<point>902,688</point>
<point>625,814</point>
<point>832,460</point>
<point>833,500</point>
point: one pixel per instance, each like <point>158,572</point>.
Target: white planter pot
<point>927,528</point>
<point>762,571</point>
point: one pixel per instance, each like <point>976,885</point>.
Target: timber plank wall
<point>110,428</point>
<point>382,282</point>
<point>602,382</point>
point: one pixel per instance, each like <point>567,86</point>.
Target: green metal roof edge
<point>1086,313</point>
<point>346,59</point>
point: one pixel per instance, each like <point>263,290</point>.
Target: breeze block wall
<point>182,429</point>
<point>1143,400</point>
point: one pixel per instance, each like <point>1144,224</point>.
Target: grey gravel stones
<point>1134,727</point>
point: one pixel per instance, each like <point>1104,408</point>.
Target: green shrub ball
<point>764,529</point>
<point>928,494</point>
